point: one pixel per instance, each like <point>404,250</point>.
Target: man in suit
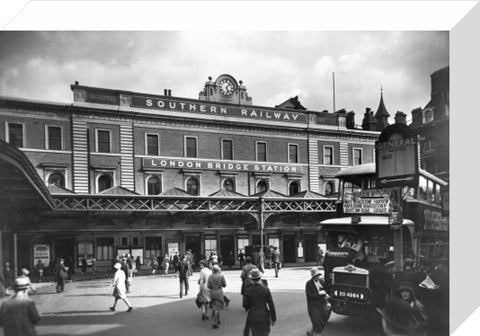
<point>317,304</point>
<point>258,302</point>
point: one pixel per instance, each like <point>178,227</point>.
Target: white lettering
<point>153,163</point>
<point>182,106</point>
<point>149,103</point>
<point>213,109</point>
<point>189,164</point>
<point>172,105</point>
<point>209,165</point>
<point>244,112</point>
<point>294,116</point>
<point>203,108</point>
<point>277,115</point>
<point>198,165</point>
<point>193,107</point>
<point>223,110</point>
<point>161,103</point>
<point>286,117</point>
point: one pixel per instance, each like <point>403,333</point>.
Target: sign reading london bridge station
<point>167,104</point>
<point>217,165</point>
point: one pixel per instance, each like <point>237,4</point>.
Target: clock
<point>226,87</point>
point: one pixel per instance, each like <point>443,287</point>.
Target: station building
<point>130,172</point>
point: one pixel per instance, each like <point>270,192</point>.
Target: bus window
<point>430,191</point>
<point>438,194</point>
<point>422,188</point>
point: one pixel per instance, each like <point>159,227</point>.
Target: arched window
<point>192,186</point>
<point>228,184</point>
<point>293,188</point>
<point>57,178</point>
<point>104,182</point>
<point>329,188</point>
<point>262,186</point>
<point>154,185</point>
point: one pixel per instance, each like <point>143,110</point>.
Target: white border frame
<point>109,139</point>
<point>198,177</point>
<point>185,137</point>
<point>256,150</point>
<point>99,172</point>
<point>47,137</point>
<point>146,143</point>
<point>333,155</point>
<point>221,149</point>
<point>24,133</point>
<point>147,177</point>
<point>361,156</point>
<point>288,151</point>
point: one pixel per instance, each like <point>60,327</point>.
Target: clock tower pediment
<point>225,89</point>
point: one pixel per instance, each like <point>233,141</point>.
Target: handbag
<point>198,300</point>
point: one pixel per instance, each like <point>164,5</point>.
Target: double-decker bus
<point>360,261</point>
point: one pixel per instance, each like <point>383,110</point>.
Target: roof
<point>308,194</point>
<point>381,110</point>
<point>176,192</point>
<point>118,190</point>
<point>56,189</point>
<point>292,103</point>
<point>226,193</point>
<point>269,194</point>
<point>364,220</point>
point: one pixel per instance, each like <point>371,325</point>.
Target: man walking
<point>19,314</point>
<point>317,305</point>
<point>183,274</point>
<point>62,275</point>
<point>258,302</point>
<point>276,260</point>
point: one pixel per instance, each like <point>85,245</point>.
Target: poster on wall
<point>172,249</point>
<point>85,249</point>
<point>137,253</point>
<point>41,252</point>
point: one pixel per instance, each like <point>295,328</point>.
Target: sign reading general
<point>396,154</point>
<point>166,104</point>
<point>215,165</point>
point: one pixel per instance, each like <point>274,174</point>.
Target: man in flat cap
<point>19,314</point>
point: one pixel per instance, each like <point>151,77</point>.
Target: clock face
<point>226,87</point>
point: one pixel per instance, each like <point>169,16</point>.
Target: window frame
<point>353,156</point>
<point>290,185</point>
<point>47,136</point>
<point>222,149</point>
<point>198,179</point>
<point>146,144</point>
<point>256,151</point>
<point>185,149</point>
<point>330,183</point>
<point>297,158</point>
<point>7,132</point>
<point>160,179</point>
<point>332,155</point>
<point>109,139</point>
<point>99,173</point>
<point>57,171</point>
<point>233,182</point>
<point>267,182</point>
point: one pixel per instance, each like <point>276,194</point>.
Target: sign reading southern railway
<point>396,154</point>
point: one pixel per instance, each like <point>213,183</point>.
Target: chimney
<point>400,118</point>
<point>351,120</point>
<point>165,92</point>
<point>369,122</point>
<point>76,83</point>
<point>169,92</point>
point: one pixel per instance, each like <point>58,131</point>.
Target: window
<point>154,185</point>
<point>104,182</point>
<point>57,178</point>
<point>54,137</point>
<point>152,144</point>
<point>357,156</point>
<point>293,188</point>
<point>124,241</point>
<point>153,247</point>
<point>262,186</point>
<point>210,246</point>
<point>427,115</point>
<point>293,153</point>
<point>227,149</point>
<point>103,141</point>
<point>15,135</point>
<point>192,186</point>
<point>104,248</point>
<point>329,188</point>
<point>328,155</point>
<point>135,241</point>
<point>261,151</point>
<point>275,242</point>
<point>229,184</point>
<point>190,147</point>
<point>241,243</point>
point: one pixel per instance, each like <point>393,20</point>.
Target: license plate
<point>350,295</point>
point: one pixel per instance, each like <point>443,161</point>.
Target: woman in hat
<point>120,290</point>
<point>317,302</point>
<point>397,318</point>
<point>24,274</point>
<point>19,314</point>
<point>258,302</point>
<point>216,283</point>
<point>406,293</point>
<point>204,293</point>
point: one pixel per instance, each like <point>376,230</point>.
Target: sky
<point>273,65</point>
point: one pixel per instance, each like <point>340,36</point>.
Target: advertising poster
<point>41,252</point>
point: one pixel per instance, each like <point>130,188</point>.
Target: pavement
<point>83,308</point>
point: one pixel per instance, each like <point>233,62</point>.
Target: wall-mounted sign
<point>85,249</point>
<point>435,221</point>
<point>228,166</point>
<point>375,202</point>
<point>41,252</point>
<point>165,104</point>
<point>396,154</point>
<point>173,248</point>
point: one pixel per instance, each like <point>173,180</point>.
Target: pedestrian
<point>40,269</point>
<point>62,275</point>
<point>19,314</point>
<point>166,263</point>
<point>317,302</point>
<point>183,275</point>
<point>94,266</point>
<point>241,258</point>
<point>190,261</point>
<point>119,289</point>
<point>245,274</point>
<point>230,259</point>
<point>138,263</point>
<point>406,293</point>
<point>216,283</point>
<point>204,291</point>
<point>9,276</point>
<point>276,260</point>
<point>397,318</point>
<point>258,302</point>
<point>2,286</point>
<point>319,256</point>
<point>70,268</point>
<point>84,265</point>
<point>261,260</point>
<point>24,274</point>
<point>176,260</point>
<point>125,269</point>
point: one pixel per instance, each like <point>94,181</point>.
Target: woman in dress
<point>119,288</point>
<point>216,282</point>
<point>204,293</point>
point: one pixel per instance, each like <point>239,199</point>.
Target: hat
<point>315,271</point>
<point>216,269</point>
<point>255,274</point>
<point>409,261</point>
<point>25,271</point>
<point>20,284</point>
<point>405,285</point>
<point>117,266</point>
<point>398,314</point>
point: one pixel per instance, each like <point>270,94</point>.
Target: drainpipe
<point>15,261</point>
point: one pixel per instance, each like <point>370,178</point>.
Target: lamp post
<point>261,222</point>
